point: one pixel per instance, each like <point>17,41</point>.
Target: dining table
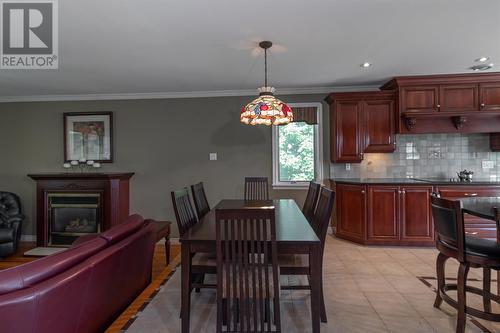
<point>294,235</point>
<point>486,208</point>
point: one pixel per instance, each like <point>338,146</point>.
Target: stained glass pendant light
<point>266,109</point>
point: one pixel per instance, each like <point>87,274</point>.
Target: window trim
<point>318,147</point>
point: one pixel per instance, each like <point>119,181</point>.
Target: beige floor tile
<point>391,304</point>
<point>373,284</point>
<point>406,324</point>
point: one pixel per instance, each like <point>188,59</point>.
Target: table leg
<point>314,256</point>
<point>185,287</point>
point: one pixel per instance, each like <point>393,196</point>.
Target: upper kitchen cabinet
<point>489,96</point>
<point>457,103</point>
<point>458,97</point>
<point>419,99</point>
<point>347,134</point>
<point>361,122</point>
<point>379,125</point>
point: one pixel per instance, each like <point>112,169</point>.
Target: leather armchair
<point>11,220</point>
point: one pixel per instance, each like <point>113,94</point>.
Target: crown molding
<point>171,95</point>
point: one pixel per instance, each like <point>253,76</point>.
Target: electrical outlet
<point>488,164</point>
<point>348,166</point>
<point>212,156</point>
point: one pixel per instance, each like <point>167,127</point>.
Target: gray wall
<point>165,142</point>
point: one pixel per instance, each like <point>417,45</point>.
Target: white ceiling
<point>204,46</point>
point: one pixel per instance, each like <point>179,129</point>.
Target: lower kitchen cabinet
<point>383,208</point>
<point>416,215</point>
<point>474,226</point>
<point>351,212</point>
<point>392,214</point>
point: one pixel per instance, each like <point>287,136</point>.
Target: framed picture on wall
<point>88,136</point>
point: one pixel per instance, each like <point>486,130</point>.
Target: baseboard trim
<point>28,238</point>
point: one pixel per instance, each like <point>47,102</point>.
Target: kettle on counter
<point>465,176</point>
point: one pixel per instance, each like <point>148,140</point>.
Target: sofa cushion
<point>122,230</point>
<point>27,275</point>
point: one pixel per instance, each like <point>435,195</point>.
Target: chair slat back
<point>323,213</point>
<point>449,223</point>
<point>311,200</point>
<point>247,271</point>
<point>200,199</point>
<point>256,188</point>
<point>184,212</point>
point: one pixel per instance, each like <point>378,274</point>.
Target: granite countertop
<point>416,181</point>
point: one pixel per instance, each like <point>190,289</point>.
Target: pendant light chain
<point>265,67</point>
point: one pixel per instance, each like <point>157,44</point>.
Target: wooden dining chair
<point>248,275</point>
<point>299,264</point>
<point>201,263</point>
<point>200,199</point>
<point>474,252</point>
<point>256,188</point>
<point>311,200</point>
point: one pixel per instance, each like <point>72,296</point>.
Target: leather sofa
<point>83,289</point>
<point>11,221</point>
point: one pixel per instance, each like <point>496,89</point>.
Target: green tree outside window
<point>296,152</point>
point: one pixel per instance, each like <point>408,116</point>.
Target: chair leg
<point>440,264</point>
<point>201,278</point>
<point>461,296</point>
<point>167,250</point>
<point>487,289</point>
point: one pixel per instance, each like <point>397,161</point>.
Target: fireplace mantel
<point>112,187</point>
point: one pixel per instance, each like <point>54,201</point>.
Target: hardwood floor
<point>159,273</point>
<point>18,258</point>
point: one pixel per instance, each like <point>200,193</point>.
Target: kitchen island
<point>397,211</point>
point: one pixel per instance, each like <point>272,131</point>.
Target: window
<point>297,151</point>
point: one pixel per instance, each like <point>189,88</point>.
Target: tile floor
<point>367,289</point>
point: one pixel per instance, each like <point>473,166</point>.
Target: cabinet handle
<point>403,192</point>
<point>482,105</point>
<point>438,106</point>
<point>471,233</point>
<point>470,194</point>
<point>363,191</point>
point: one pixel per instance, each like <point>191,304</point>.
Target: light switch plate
<point>212,156</point>
<point>348,166</point>
<point>488,164</point>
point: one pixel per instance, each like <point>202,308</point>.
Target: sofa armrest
<point>7,235</point>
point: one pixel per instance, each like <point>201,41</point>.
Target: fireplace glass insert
<point>72,215</point>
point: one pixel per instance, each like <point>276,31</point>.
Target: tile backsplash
<point>427,155</point>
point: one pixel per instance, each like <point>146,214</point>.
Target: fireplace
<point>72,215</point>
<point>72,204</point>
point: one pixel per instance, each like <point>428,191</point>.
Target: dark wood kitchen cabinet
<point>458,97</point>
<point>454,103</point>
<point>489,96</point>
<point>379,126</point>
<point>416,215</point>
<point>474,226</point>
<point>361,122</point>
<point>351,211</point>
<point>419,99</point>
<point>393,214</point>
<point>347,136</point>
<point>383,208</point>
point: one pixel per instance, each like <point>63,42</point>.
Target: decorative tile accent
<point>427,155</point>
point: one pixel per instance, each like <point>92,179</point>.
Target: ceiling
<point>188,48</point>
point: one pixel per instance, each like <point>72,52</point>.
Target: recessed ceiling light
<point>482,59</point>
<point>482,67</point>
<point>365,64</point>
